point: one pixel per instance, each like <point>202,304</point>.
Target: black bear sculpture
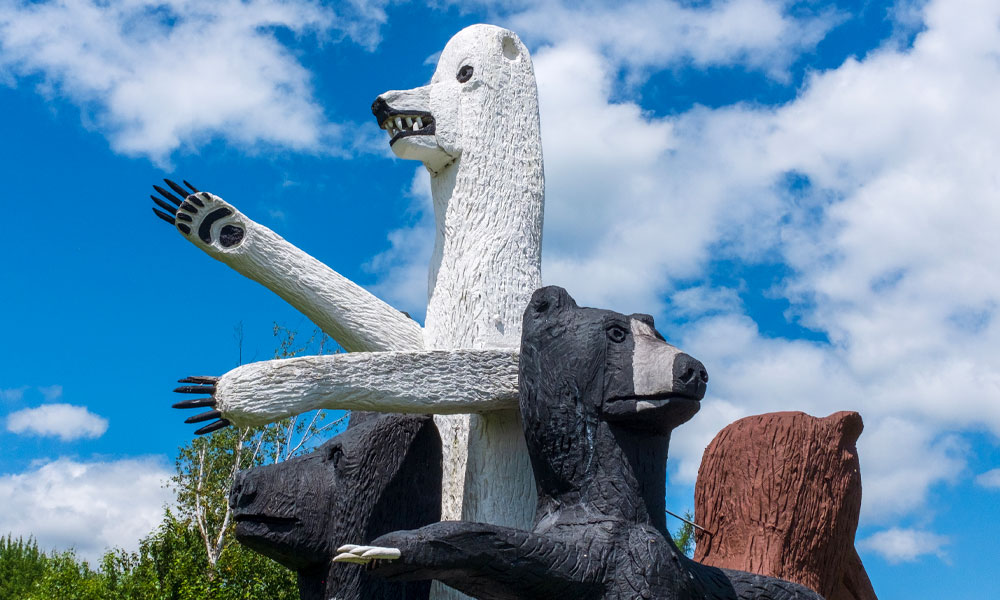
<point>600,394</point>
<point>360,484</point>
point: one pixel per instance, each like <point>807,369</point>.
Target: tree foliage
<point>684,536</point>
<point>192,554</point>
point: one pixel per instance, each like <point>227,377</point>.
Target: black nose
<point>690,376</point>
<point>380,109</point>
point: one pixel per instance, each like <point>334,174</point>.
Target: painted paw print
<point>200,216</point>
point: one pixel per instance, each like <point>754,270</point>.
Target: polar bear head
<point>482,96</point>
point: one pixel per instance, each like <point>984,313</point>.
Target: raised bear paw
<point>207,220</point>
<point>202,385</point>
<point>365,555</point>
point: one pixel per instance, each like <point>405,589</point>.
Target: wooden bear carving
<point>600,393</point>
<point>380,475</point>
<point>780,494</point>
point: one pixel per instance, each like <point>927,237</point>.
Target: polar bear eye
<point>464,74</point>
<point>617,334</point>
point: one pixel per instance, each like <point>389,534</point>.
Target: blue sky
<point>804,194</point>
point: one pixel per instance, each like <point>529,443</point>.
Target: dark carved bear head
<point>596,382</point>
<point>357,486</point>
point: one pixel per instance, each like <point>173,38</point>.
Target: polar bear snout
<point>402,122</point>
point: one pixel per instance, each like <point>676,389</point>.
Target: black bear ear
<point>648,320</point>
<point>643,318</point>
<point>550,298</point>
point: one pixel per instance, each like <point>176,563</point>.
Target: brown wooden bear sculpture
<point>600,393</point>
<point>780,494</point>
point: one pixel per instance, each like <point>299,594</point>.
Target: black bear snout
<point>690,376</point>
<point>243,491</point>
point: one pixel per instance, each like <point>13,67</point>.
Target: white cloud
<point>403,268</point>
<point>89,506</point>
<point>66,421</point>
<point>891,241</point>
<point>156,76</point>
<point>905,545</point>
<point>51,392</point>
<point>13,394</point>
<point>989,479</point>
<point>644,34</point>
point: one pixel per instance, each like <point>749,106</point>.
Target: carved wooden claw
<point>363,555</point>
<point>203,385</point>
<point>172,208</point>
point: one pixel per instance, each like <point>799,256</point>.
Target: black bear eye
<point>617,334</point>
<point>464,74</point>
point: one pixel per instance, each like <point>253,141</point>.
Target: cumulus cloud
<point>402,268</point>
<point>65,421</point>
<point>989,479</point>
<point>89,506</point>
<point>158,75</point>
<point>905,545</point>
<point>758,34</point>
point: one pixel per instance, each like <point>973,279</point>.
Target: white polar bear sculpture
<point>475,127</point>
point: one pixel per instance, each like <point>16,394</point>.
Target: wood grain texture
<point>440,381</point>
<point>781,494</point>
<point>379,475</point>
<point>599,451</point>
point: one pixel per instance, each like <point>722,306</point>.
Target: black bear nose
<point>690,376</point>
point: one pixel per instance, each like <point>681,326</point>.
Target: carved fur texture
<point>600,393</point>
<point>781,494</point>
<point>475,127</point>
<point>359,484</point>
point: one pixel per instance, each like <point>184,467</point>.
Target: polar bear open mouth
<point>402,124</point>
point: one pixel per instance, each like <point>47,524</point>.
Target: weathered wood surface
<point>781,495</point>
<point>600,393</point>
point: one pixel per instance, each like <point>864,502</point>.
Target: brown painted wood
<point>781,495</point>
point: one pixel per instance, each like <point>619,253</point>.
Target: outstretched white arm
<point>432,381</point>
<point>348,313</point>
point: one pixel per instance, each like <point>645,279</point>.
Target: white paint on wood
<point>488,189</point>
<point>434,381</point>
<point>485,163</point>
<point>345,311</point>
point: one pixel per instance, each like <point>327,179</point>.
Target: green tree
<point>684,535</point>
<point>192,554</point>
<point>21,564</point>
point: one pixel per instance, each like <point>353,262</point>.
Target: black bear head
<point>600,393</point>
<point>382,474</point>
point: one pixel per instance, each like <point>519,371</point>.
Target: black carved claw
<point>202,385</point>
<point>187,202</point>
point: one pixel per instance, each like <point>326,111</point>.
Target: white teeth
<point>399,123</point>
<point>409,121</point>
<point>419,123</point>
<point>416,126</point>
